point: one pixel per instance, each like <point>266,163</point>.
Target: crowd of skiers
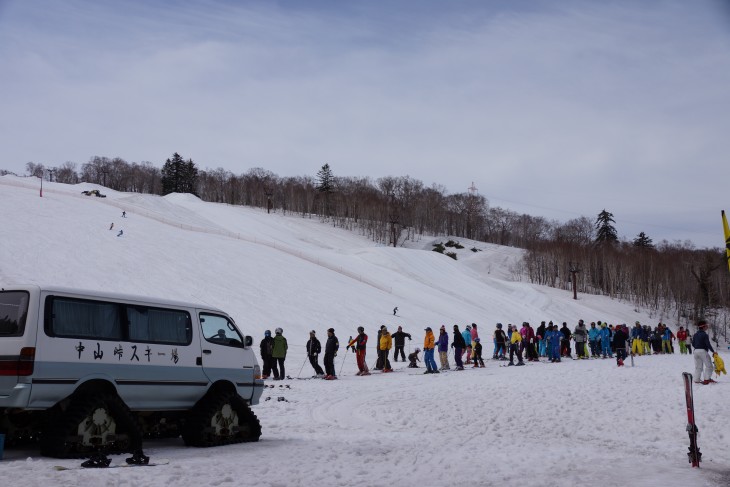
<point>598,340</point>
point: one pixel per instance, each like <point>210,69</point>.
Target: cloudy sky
<point>552,108</point>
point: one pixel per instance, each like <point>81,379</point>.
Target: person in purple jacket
<point>442,342</point>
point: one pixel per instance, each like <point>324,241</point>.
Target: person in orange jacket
<point>386,343</point>
<point>429,342</point>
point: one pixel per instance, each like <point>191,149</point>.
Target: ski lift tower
<point>472,189</point>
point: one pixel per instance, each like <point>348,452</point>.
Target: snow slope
<point>543,425</point>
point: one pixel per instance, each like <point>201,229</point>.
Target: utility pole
<point>573,271</point>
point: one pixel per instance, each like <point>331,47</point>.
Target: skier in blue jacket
<point>594,335</point>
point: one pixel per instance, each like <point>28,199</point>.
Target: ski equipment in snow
<point>694,450</point>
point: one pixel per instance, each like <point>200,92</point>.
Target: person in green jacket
<point>278,352</point>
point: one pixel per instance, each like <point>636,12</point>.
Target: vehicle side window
<point>85,319</point>
<point>154,325</point>
<point>219,329</point>
<point>13,312</point>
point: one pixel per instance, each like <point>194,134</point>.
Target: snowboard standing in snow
<point>694,450</point>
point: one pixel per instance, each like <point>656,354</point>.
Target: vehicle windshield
<point>13,312</point>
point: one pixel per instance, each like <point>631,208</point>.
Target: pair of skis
<point>694,450</point>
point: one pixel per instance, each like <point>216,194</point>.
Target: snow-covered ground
<point>574,423</point>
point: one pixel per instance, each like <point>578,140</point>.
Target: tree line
<point>394,209</point>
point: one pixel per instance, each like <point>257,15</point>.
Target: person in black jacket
<point>565,342</point>
<point>267,346</point>
<point>399,341</point>
<point>458,345</point>
<point>702,347</point>
<point>330,352</point>
<point>313,350</point>
<point>619,344</point>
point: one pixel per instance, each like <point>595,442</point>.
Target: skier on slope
<point>477,354</point>
<point>605,336</point>
<point>399,340</point>
<point>314,348</point>
<point>330,352</point>
<point>359,344</point>
<point>500,339</point>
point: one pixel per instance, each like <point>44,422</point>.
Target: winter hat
<point>474,325</point>
<point>499,325</point>
<point>443,327</point>
<point>279,331</point>
<point>331,330</point>
<point>456,327</point>
<point>418,350</point>
<point>312,332</point>
<point>428,328</point>
<point>360,329</point>
<point>468,327</point>
<point>702,324</point>
<point>267,333</point>
<point>477,339</point>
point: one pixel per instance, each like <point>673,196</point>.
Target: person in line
<point>378,362</point>
<point>682,338</point>
<point>542,343</point>
<point>702,348</point>
<point>565,340</point>
<point>666,340</point>
<point>429,342</point>
<point>330,352</point>
<point>580,335</point>
<point>458,345</point>
<point>605,338</point>
<point>399,340</point>
<point>637,346</point>
<point>268,362</point>
<point>466,334</point>
<point>359,344</point>
<point>500,340</point>
<point>278,353</point>
<point>515,347</point>
<point>555,342</point>
<point>443,348</point>
<point>314,348</point>
<point>528,342</point>
<point>386,343</point>
<point>619,344</point>
<point>594,339</point>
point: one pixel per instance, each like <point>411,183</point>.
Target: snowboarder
<point>702,347</point>
<point>124,214</point>
<point>395,310</point>
<point>428,346</point>
<point>386,343</point>
<point>458,345</point>
<point>314,348</point>
<point>267,346</point>
<point>330,352</point>
<point>399,340</point>
<point>413,358</point>
<point>121,232</point>
<point>278,352</point>
<point>359,344</point>
<point>111,226</point>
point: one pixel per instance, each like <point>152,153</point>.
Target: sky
<point>576,423</point>
<point>555,109</point>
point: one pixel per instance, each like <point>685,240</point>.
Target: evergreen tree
<point>326,185</point>
<point>178,175</point>
<point>605,231</point>
<point>643,241</point>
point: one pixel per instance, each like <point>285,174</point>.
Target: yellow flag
<point>727,238</point>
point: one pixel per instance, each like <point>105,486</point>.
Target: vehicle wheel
<point>93,422</point>
<point>220,419</point>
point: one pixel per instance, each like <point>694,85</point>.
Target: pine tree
<point>643,241</point>
<point>326,185</point>
<point>178,175</point>
<point>605,231</point>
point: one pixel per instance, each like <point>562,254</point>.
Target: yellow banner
<point>727,238</point>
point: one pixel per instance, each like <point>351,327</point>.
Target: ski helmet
<point>267,333</point>
<point>499,325</point>
<point>279,331</point>
<point>360,329</point>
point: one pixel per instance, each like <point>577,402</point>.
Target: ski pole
<point>344,356</point>
<point>302,367</point>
